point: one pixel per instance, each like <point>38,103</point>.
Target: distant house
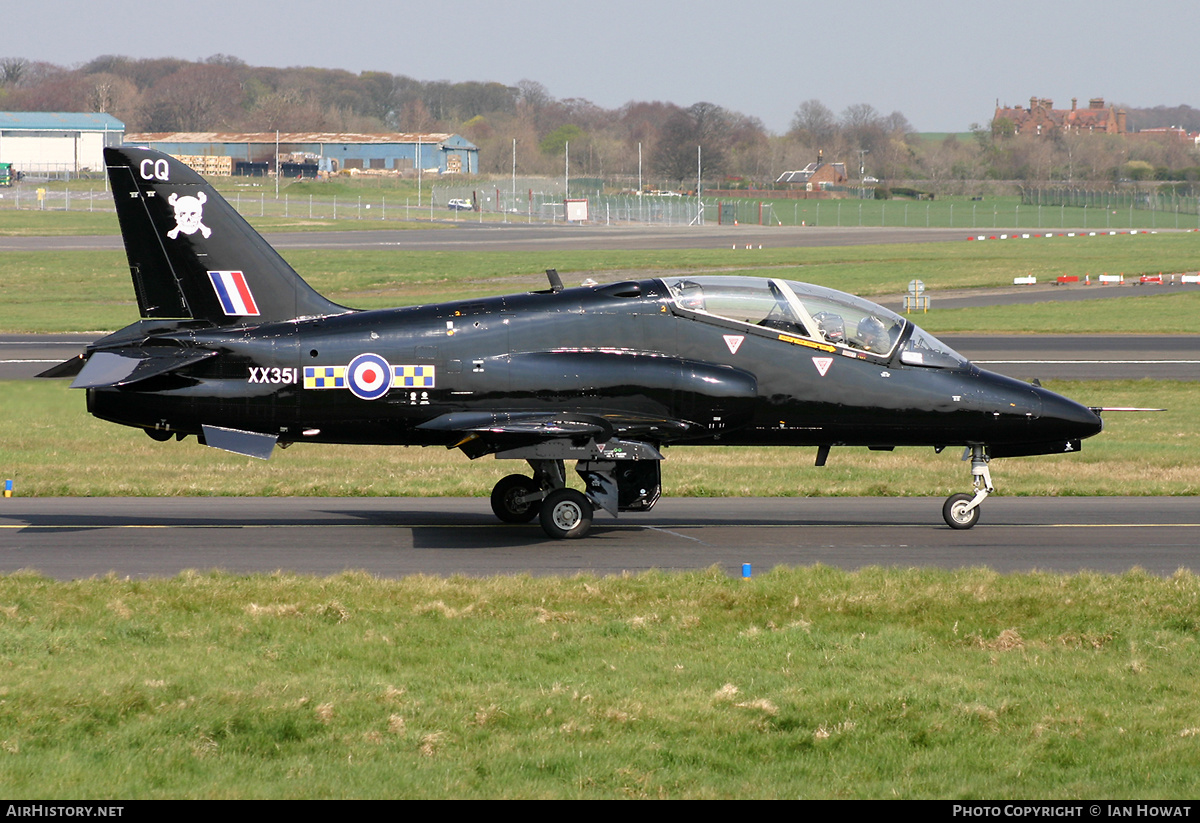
<point>1042,118</point>
<point>57,142</point>
<point>438,153</point>
<point>815,176</point>
<point>1167,134</point>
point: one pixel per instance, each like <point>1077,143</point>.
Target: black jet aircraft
<point>235,348</point>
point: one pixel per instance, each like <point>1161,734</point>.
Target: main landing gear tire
<point>566,514</point>
<point>956,514</point>
<point>506,499</point>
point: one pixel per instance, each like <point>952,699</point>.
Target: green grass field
<point>800,683</point>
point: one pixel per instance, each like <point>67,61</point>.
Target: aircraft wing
<point>487,432</point>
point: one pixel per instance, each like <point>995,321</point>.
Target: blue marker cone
<point>745,570</point>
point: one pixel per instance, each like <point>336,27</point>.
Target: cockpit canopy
<point>814,313</point>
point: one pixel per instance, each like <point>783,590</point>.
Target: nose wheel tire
<point>566,514</point>
<point>956,511</point>
<point>506,499</point>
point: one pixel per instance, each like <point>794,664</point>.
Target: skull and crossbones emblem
<point>189,211</point>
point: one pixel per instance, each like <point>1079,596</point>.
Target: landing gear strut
<point>620,476</point>
<point>961,511</point>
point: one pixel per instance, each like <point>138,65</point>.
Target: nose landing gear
<point>961,511</point>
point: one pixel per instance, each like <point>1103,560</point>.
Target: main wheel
<point>506,499</point>
<point>566,514</point>
<point>956,513</point>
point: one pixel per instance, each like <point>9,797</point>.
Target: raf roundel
<point>369,376</point>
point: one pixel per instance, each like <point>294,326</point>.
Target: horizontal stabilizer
<point>251,444</point>
<point>67,368</point>
<point>122,367</point>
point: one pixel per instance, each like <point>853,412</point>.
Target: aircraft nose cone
<point>1066,419</point>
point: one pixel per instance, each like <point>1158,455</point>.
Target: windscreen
<point>814,312</point>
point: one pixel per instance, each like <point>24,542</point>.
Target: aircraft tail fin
<point>192,255</point>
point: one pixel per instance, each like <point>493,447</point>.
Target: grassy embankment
<point>798,683</point>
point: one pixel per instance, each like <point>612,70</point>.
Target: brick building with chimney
<point>1042,118</point>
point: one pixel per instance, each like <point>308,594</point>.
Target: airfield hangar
<point>57,143</point>
<point>330,152</point>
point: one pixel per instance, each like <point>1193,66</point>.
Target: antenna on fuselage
<point>556,284</point>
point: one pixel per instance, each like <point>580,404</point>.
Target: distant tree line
<point>223,93</point>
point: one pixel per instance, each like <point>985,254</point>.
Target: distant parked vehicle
<point>870,179</point>
<point>458,204</point>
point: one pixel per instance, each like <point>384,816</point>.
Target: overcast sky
<point>942,64</point>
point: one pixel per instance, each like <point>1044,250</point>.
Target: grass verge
<point>798,683</point>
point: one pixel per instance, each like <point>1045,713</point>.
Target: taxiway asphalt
<point>68,538</point>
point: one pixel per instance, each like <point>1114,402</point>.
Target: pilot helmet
<point>872,334</point>
<point>831,325</point>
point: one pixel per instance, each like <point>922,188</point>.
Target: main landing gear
<point>564,513</point>
<point>518,499</point>
<point>961,511</point>
<point>629,480</point>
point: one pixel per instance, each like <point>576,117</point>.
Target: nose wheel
<point>961,511</point>
<point>958,512</point>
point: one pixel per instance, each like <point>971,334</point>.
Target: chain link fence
<point>1114,199</point>
<point>541,201</point>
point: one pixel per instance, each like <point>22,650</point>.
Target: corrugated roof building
<point>435,152</point>
<point>57,142</point>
